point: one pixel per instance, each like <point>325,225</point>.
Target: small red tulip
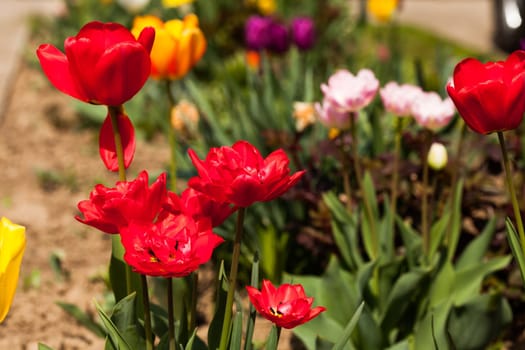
<point>490,97</point>
<point>111,209</point>
<point>103,64</point>
<point>175,246</point>
<point>286,306</point>
<point>106,142</point>
<point>241,176</point>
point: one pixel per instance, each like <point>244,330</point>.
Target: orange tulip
<point>178,46</point>
<point>12,246</point>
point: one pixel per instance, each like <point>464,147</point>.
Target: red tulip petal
<point>118,80</point>
<point>147,37</point>
<point>107,147</point>
<point>56,67</point>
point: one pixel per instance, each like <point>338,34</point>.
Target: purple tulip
<point>303,32</point>
<point>257,32</point>
<point>279,38</point>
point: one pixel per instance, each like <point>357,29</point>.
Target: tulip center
<point>152,256</point>
<point>275,312</point>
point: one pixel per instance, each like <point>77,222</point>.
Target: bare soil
<point>48,165</point>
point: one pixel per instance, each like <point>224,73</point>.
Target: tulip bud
<point>437,156</point>
<point>12,246</point>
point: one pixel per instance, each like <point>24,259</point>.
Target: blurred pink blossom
<point>398,99</point>
<point>432,112</point>
<point>351,93</point>
<point>345,94</point>
<point>331,116</point>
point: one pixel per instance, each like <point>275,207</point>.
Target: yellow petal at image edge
<point>12,246</point>
<point>175,3</point>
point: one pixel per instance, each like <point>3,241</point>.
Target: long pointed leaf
<point>340,344</point>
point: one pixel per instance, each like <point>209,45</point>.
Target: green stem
<point>424,194</point>
<point>346,175</point>
<point>453,189</point>
<point>172,138</point>
<point>278,336</point>
<point>193,310</point>
<point>225,334</point>
<point>512,191</point>
<point>171,317</point>
<point>358,176</point>
<point>114,112</point>
<point>395,171</point>
<point>147,313</point>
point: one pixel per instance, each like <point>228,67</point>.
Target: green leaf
<point>236,336</point>
<point>248,343</point>
<point>437,233</point>
<point>340,344</point>
<point>370,197</point>
<point>83,318</point>
<point>476,250</point>
<point>44,347</point>
<point>115,338</point>
<point>454,229</point>
<point>117,275</point>
<point>468,281</point>
<point>272,341</point>
<point>345,231</point>
<point>125,319</point>
<point>195,343</point>
<point>401,298</point>
<point>215,330</point>
<point>517,249</point>
<point>473,325</point>
<point>412,242</point>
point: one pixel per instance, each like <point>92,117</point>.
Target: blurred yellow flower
<point>382,10</point>
<point>437,156</point>
<point>304,115</point>
<point>12,246</point>
<point>175,3</point>
<point>265,7</point>
<point>178,46</point>
<point>185,119</point>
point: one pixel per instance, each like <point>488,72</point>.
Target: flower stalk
<point>359,178</point>
<point>172,138</point>
<point>512,191</point>
<point>171,317</point>
<point>147,313</point>
<point>114,112</point>
<point>232,279</point>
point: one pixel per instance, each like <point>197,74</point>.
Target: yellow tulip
<point>12,246</point>
<point>175,3</point>
<point>382,10</point>
<point>178,46</point>
<point>266,7</point>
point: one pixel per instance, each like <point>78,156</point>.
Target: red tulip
<point>111,209</point>
<point>490,97</point>
<point>173,247</point>
<point>286,306</point>
<point>241,176</point>
<point>198,205</point>
<point>106,142</point>
<point>102,64</point>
